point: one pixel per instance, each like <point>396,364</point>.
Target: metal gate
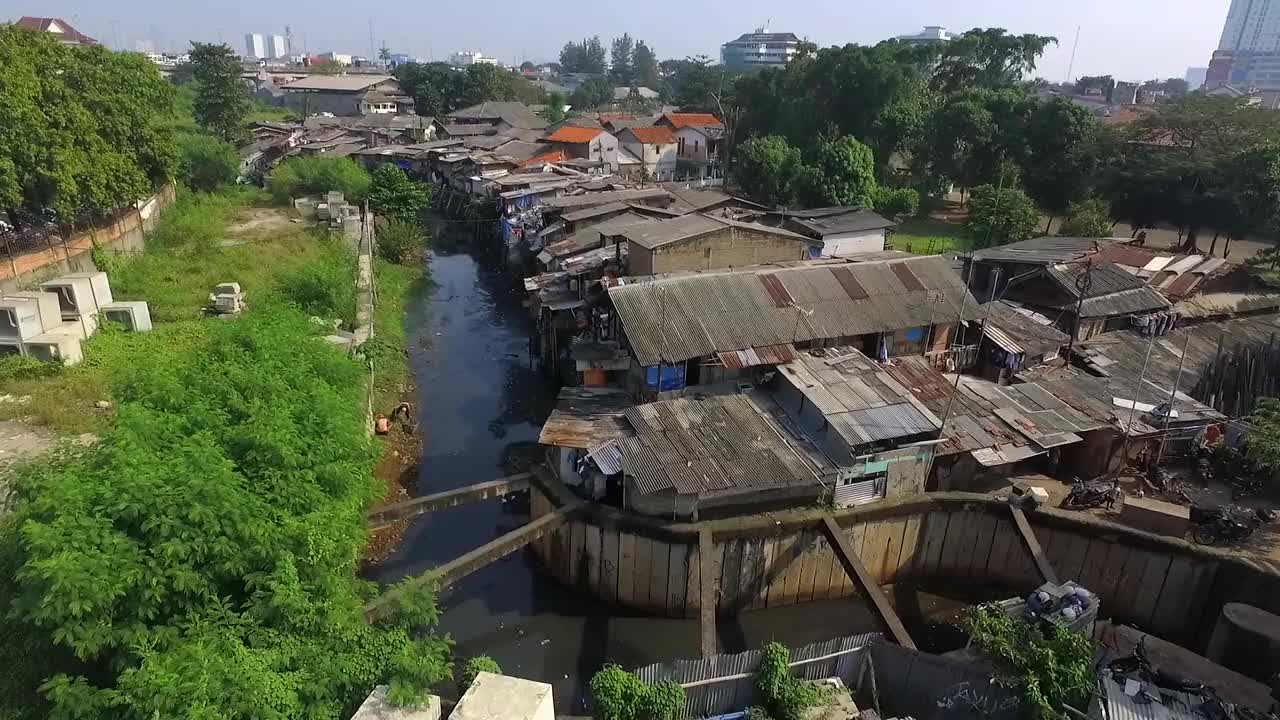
<point>860,491</point>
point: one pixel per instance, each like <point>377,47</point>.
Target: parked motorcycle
<point>1091,495</point>
<point>1246,486</point>
<point>1226,526</point>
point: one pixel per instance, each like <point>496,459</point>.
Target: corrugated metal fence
<point>907,682</point>
<point>726,683</point>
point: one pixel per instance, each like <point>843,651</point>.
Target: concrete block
<point>501,697</point>
<point>376,707</point>
<point>1156,516</point>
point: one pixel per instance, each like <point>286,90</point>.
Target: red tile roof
<point>683,120</point>
<point>68,34</point>
<point>574,135</point>
<point>659,135</point>
<point>550,157</point>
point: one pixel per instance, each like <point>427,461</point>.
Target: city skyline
<point>1169,42</point>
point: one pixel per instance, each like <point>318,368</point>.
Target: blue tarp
<point>672,377</point>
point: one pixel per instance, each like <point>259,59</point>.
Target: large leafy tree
<point>622,69</point>
<point>699,86</point>
<point>199,561</point>
<point>438,89</point>
<point>1088,218</point>
<point>394,195</point>
<point>842,172</point>
<point>646,67</point>
<point>587,56</point>
<point>595,92</point>
<point>222,98</point>
<point>998,216</point>
<point>83,131</point>
<point>984,58</point>
<point>1061,146</point>
<point>766,168</point>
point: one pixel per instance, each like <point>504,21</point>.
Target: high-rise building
<point>464,58</point>
<point>1195,77</point>
<point>278,47</point>
<point>760,49</point>
<point>1252,25</point>
<point>932,34</point>
<point>255,46</point>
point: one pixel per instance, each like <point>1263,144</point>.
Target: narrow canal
<point>482,403</point>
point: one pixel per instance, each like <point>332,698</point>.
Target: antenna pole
<point>1074,46</point>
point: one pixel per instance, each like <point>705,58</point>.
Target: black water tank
<point>1247,640</point>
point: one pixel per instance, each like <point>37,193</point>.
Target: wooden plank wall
<point>1176,595</point>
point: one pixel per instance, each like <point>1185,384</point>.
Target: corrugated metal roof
<point>687,316</point>
<point>1046,250</point>
<point>1009,327</point>
<point>585,417</point>
<point>717,445</point>
<point>337,83</point>
<point>1155,703</point>
<point>852,220</point>
<point>751,357</point>
<point>591,199</point>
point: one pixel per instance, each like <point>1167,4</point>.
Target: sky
<point>1130,39</point>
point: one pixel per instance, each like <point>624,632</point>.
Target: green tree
<point>199,560</point>
<point>985,58</point>
<point>1088,218</point>
<point>616,694</point>
<point>436,88</point>
<point>842,172</point>
<point>785,696</point>
<point>1264,437</point>
<point>587,56</point>
<point>622,70</point>
<point>766,169</point>
<point>384,55</point>
<point>896,203</point>
<point>315,174</point>
<point>595,92</point>
<point>222,98</point>
<point>207,163</point>
<point>555,107</point>
<point>392,194</point>
<point>1050,665</point>
<point>1001,217</point>
<point>699,86</point>
<point>83,131</point>
<point>1061,154</point>
<point>646,67</point>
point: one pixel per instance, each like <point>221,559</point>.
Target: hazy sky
<point>1132,39</point>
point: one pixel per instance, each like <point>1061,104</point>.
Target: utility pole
<point>1173,394</point>
<point>1133,407</point>
<point>1071,66</point>
<point>1084,284</point>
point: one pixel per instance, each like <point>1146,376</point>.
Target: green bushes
<point>199,561</point>
<point>206,163</point>
<point>324,287</point>
<point>318,174</point>
<point>475,666</point>
<point>399,240</point>
<point>786,697</point>
<point>392,194</point>
<point>25,367</point>
<point>1050,665</point>
<point>618,695</point>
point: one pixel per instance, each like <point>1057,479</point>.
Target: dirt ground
<point>254,222</point>
<point>1264,544</point>
<point>398,470</point>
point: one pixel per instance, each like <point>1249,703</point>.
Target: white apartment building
<point>464,58</point>
<point>255,46</point>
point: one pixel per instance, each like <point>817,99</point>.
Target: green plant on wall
<point>786,697</point>
<point>1051,666</point>
<point>619,695</point>
<point>475,666</point>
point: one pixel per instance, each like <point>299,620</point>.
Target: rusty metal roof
<point>714,446</point>
<point>586,417</point>
<point>693,315</point>
<point>763,355</point>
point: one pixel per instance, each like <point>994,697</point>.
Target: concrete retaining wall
<point>1169,587</point>
<point>74,253</point>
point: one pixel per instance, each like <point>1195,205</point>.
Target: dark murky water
<point>483,402</point>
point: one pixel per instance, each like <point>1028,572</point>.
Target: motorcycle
<point>1247,486</point>
<point>1225,526</point>
<point>1091,495</point>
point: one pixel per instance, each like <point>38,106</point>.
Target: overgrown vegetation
<point>619,695</point>
<point>925,235</point>
<point>786,697</point>
<point>1264,437</point>
<point>998,216</point>
<point>199,561</point>
<point>392,194</point>
<point>207,163</point>
<point>400,241</point>
<point>1049,665</point>
<point>318,174</point>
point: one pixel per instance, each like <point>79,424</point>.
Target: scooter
<point>1091,495</point>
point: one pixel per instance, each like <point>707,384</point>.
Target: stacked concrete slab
<point>50,323</point>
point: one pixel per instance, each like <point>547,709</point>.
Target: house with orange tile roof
<point>655,147</point>
<point>698,140</point>
<point>60,29</point>
<point>587,143</point>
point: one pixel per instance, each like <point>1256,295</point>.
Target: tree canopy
<point>439,89</point>
<point>222,99</point>
<point>587,56</point>
<point>1001,216</point>
<point>766,168</point>
<point>84,140</point>
<point>594,92</point>
<point>393,194</point>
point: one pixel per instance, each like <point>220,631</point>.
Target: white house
<point>698,140</point>
<point>585,143</point>
<point>843,230</point>
<point>656,148</point>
